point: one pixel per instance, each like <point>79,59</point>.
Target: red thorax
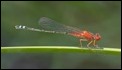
<point>86,35</point>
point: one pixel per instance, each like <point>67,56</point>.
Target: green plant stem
<point>55,49</point>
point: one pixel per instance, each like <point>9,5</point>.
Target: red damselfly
<point>51,26</point>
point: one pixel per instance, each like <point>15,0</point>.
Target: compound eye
<point>97,36</point>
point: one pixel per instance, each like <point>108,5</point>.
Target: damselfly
<point>51,26</point>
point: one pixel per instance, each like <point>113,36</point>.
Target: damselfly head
<point>97,36</point>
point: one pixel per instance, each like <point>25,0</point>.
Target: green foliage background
<point>103,17</point>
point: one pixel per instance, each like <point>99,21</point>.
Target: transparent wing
<point>49,24</point>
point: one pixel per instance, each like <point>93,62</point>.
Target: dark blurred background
<point>103,17</point>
